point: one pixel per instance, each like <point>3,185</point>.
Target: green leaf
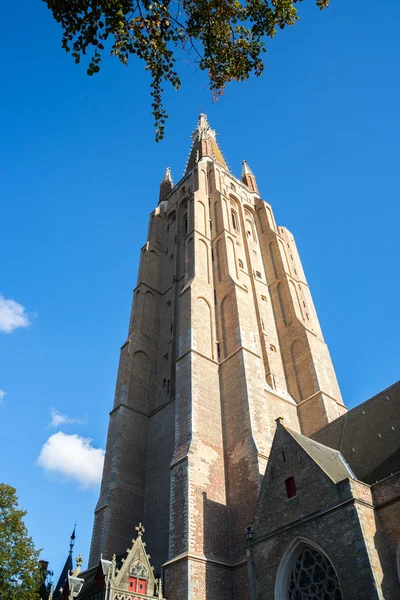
<point>226,38</point>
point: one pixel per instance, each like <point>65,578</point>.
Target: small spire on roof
<point>79,562</point>
<point>72,542</point>
<point>246,169</point>
<point>167,176</point>
<point>248,177</point>
<point>166,185</point>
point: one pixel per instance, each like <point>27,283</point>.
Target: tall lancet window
<point>313,577</point>
<point>235,220</point>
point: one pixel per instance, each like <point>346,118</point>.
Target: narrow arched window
<point>235,220</point>
<point>240,263</point>
<point>185,223</point>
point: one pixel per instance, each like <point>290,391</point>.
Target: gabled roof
<point>329,460</point>
<point>137,553</point>
<point>118,571</point>
<point>63,576</point>
<point>91,575</point>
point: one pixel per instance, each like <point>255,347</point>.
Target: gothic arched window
<point>312,576</point>
<point>138,578</point>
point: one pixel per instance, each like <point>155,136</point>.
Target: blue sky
<point>79,175</point>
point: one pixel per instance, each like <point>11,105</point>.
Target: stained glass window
<point>313,578</point>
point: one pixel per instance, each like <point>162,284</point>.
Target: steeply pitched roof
<point>204,131</point>
<point>368,436</point>
<point>329,460</point>
<point>63,576</point>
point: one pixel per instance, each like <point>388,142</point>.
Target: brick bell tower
<point>223,339</point>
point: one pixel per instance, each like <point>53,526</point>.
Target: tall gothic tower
<point>223,339</point>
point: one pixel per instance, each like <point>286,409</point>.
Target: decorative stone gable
<point>134,580</point>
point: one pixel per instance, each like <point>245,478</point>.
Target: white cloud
<point>73,457</point>
<point>58,419</point>
<point>2,394</point>
<point>12,315</point>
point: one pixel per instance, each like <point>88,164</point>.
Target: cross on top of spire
<point>140,529</point>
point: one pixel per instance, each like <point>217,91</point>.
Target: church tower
<point>223,339</point>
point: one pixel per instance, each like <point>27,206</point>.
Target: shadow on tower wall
<point>223,581</point>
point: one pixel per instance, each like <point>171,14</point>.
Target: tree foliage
<point>226,38</point>
<point>19,567</point>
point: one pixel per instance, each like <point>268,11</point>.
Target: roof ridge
<point>318,458</point>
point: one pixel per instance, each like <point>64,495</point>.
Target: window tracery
<point>313,578</point>
<point>138,570</point>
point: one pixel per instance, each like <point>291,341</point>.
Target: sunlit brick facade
<point>223,339</point>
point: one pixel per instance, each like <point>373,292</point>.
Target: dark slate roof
<point>89,577</point>
<point>89,584</point>
<point>64,574</point>
<point>368,436</point>
<point>330,461</point>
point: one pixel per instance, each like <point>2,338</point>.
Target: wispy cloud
<point>73,458</point>
<point>58,419</point>
<point>2,394</point>
<point>12,315</point>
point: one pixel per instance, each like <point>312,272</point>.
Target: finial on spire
<point>246,169</point>
<point>203,122</point>
<point>79,562</point>
<point>166,185</point>
<point>72,541</point>
<point>248,177</point>
<point>140,529</point>
<point>167,176</point>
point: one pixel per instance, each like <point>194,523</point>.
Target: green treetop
<point>19,566</point>
<point>223,37</point>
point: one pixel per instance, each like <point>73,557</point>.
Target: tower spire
<point>167,176</point>
<point>68,566</point>
<point>72,540</point>
<point>204,143</point>
<point>248,177</point>
<point>166,185</point>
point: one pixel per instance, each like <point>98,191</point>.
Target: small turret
<point>166,185</point>
<point>248,177</point>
